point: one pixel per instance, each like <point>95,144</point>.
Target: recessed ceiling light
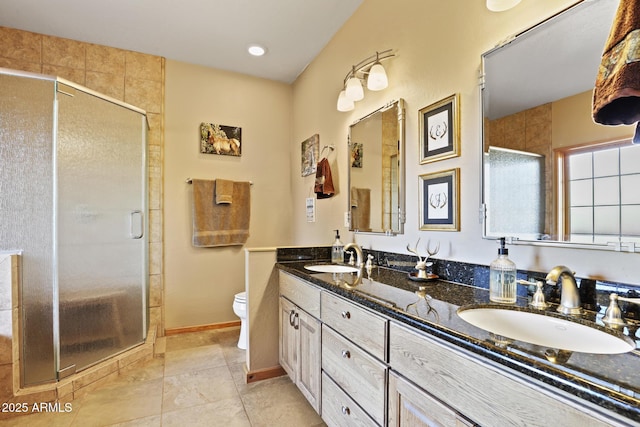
<point>256,50</point>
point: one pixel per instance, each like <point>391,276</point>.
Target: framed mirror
<point>376,171</point>
<point>552,176</point>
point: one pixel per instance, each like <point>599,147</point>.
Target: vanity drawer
<point>359,325</point>
<point>340,410</point>
<point>301,293</point>
<point>359,374</point>
<point>479,390</point>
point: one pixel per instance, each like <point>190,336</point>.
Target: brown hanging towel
<point>616,97</point>
<point>324,184</point>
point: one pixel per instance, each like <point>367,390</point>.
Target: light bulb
<point>377,79</point>
<point>354,90</point>
<point>256,50</point>
<point>344,103</point>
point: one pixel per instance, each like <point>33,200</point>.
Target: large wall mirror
<point>376,171</point>
<point>550,174</point>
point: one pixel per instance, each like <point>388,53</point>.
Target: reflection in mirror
<point>550,174</point>
<point>376,171</point>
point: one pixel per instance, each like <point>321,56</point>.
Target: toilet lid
<point>240,297</point>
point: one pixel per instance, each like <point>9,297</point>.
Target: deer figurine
<point>422,264</point>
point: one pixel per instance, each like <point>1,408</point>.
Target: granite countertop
<point>609,381</point>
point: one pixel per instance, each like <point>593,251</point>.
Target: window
<point>601,193</point>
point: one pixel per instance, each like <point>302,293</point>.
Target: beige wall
<point>438,45</point>
<point>572,124</point>
<point>132,77</point>
<point>201,282</point>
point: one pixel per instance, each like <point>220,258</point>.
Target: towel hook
<point>330,147</point>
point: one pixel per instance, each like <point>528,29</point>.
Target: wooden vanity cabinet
<point>358,368</point>
<point>476,388</point>
<point>300,336</point>
<point>354,342</point>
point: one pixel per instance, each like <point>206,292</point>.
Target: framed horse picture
<point>220,139</point>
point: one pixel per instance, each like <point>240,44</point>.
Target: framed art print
<point>220,139</point>
<point>440,130</point>
<point>309,155</point>
<point>356,155</point>
<point>439,200</point>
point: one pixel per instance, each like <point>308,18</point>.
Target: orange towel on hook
<point>324,184</point>
<point>616,97</point>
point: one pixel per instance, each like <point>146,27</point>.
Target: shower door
<point>100,216</point>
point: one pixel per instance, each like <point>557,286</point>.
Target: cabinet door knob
<point>346,315</point>
<point>346,410</point>
<point>346,354</point>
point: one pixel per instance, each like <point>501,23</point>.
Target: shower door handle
<point>136,234</point>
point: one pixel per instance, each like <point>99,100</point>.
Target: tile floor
<point>199,382</point>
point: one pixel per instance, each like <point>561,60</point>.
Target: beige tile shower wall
<point>132,77</point>
<point>529,130</point>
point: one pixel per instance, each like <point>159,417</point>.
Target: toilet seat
<point>240,297</point>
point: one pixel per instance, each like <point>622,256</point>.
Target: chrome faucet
<point>359,256</point>
<point>569,297</point>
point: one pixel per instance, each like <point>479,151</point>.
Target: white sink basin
<point>547,331</point>
<point>331,268</point>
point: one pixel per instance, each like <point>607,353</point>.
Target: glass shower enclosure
<point>73,199</point>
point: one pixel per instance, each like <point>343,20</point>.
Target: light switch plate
<point>310,204</point>
<point>347,220</point>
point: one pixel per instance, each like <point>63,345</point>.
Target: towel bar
<point>190,181</point>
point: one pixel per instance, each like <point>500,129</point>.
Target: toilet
<point>240,309</point>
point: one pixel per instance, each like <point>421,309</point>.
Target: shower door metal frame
<point>140,233</point>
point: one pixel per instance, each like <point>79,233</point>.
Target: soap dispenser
<point>337,253</point>
<point>502,277</point>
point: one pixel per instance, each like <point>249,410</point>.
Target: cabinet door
<point>288,339</point>
<point>411,406</point>
<point>309,362</point>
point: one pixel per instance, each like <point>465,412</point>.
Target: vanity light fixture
<point>369,69</point>
<point>377,79</point>
<point>256,50</point>
<point>353,89</point>
<point>344,103</point>
<point>501,5</point>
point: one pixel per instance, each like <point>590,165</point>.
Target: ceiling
<point>212,33</point>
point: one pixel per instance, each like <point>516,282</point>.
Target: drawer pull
<point>291,313</point>
<point>296,325</point>
<point>346,410</point>
<point>292,319</point>
<point>346,354</point>
<point>346,315</point>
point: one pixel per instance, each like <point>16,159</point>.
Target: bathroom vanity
<point>386,350</point>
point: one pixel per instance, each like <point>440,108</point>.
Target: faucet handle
<point>613,314</point>
<point>538,300</point>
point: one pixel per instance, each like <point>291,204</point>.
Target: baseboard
<point>200,328</point>
<point>264,374</point>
